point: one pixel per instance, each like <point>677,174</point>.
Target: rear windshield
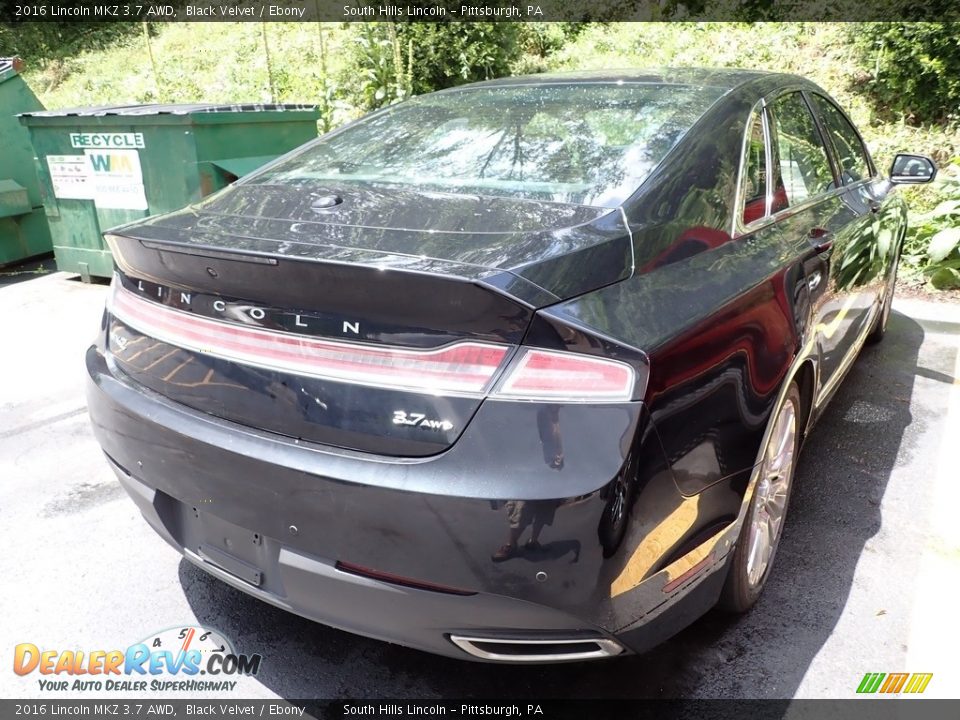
<point>592,144</point>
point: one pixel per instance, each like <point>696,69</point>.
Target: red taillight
<point>467,367</point>
<point>546,375</point>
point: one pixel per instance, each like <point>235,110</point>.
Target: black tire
<point>879,330</point>
<point>616,515</point>
<point>739,594</point>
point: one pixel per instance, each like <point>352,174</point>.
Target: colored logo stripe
<point>918,682</point>
<point>871,682</point>
<point>894,683</point>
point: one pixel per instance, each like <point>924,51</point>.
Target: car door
<point>872,246</point>
<point>815,216</point>
<point>758,195</point>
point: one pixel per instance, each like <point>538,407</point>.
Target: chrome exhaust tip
<point>528,650</point>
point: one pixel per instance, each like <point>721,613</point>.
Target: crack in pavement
<point>40,423</point>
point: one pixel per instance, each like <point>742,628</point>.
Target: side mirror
<point>912,170</point>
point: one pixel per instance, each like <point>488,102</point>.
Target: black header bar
<point>12,11</point>
<point>473,709</point>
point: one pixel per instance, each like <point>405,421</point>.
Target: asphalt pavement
<point>865,578</point>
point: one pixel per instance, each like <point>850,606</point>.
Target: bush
<point>932,246</point>
<point>449,54</point>
<point>915,69</point>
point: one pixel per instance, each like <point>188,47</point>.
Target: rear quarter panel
<point>721,330</point>
<point>719,317</point>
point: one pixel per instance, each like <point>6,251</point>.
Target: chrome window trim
<point>768,152</point>
<point>739,202</point>
<point>871,165</point>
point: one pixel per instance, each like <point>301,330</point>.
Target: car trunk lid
<point>337,330</point>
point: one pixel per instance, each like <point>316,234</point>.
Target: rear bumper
<point>273,517</point>
<point>314,588</point>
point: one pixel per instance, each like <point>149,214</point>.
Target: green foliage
<point>395,60</point>
<point>539,41</point>
<point>932,246</point>
<point>51,40</point>
<point>377,61</point>
<point>449,54</point>
<point>915,69</point>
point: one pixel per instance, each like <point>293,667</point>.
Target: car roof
<point>727,78</point>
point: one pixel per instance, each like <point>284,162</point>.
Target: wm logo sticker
<point>894,683</point>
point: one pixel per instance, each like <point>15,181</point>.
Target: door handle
<point>822,239</point>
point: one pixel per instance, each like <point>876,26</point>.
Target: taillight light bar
<point>465,367</point>
<point>537,374</point>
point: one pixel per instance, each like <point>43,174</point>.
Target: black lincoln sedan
<point>517,371</point>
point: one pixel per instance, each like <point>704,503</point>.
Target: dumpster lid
<point>242,165</point>
<point>9,67</point>
<point>169,109</point>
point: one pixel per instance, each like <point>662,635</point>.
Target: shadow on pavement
<point>12,274</point>
<point>835,510</point>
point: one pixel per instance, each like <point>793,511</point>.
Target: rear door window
<point>803,162</point>
<point>755,172</point>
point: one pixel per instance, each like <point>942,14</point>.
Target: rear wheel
<point>763,527</point>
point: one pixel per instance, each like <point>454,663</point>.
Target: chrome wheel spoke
<point>754,558</point>
<point>759,550</point>
<point>774,525</point>
<point>775,504</point>
<point>617,508</point>
<point>780,449</point>
<point>768,547</point>
<point>776,438</point>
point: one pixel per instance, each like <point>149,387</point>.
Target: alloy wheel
<point>771,493</point>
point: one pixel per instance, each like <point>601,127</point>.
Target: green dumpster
<point>102,167</point>
<point>23,227</point>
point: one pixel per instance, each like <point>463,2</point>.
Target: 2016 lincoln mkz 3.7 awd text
<point>517,371</point>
